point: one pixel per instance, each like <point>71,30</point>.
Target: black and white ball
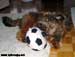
<point>35,39</point>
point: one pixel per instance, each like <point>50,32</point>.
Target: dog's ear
<point>28,21</point>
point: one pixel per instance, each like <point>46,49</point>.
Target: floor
<point>68,47</point>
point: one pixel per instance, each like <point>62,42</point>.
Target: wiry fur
<point>46,21</point>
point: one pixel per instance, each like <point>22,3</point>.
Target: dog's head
<point>44,23</point>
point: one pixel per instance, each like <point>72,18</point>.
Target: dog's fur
<point>54,28</point>
<point>46,21</point>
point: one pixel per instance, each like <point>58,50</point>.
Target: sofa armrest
<point>4,3</point>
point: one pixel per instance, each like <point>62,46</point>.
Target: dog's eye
<point>58,17</point>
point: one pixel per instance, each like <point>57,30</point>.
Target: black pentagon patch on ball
<point>38,41</point>
<point>35,49</point>
<point>45,45</point>
<point>27,40</point>
<point>43,34</point>
<point>34,30</point>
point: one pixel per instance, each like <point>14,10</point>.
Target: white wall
<point>73,15</point>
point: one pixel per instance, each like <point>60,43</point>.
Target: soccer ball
<point>35,38</point>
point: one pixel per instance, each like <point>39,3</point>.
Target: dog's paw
<point>20,37</point>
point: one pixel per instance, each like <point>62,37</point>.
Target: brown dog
<point>52,23</point>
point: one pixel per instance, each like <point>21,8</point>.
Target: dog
<point>52,23</point>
